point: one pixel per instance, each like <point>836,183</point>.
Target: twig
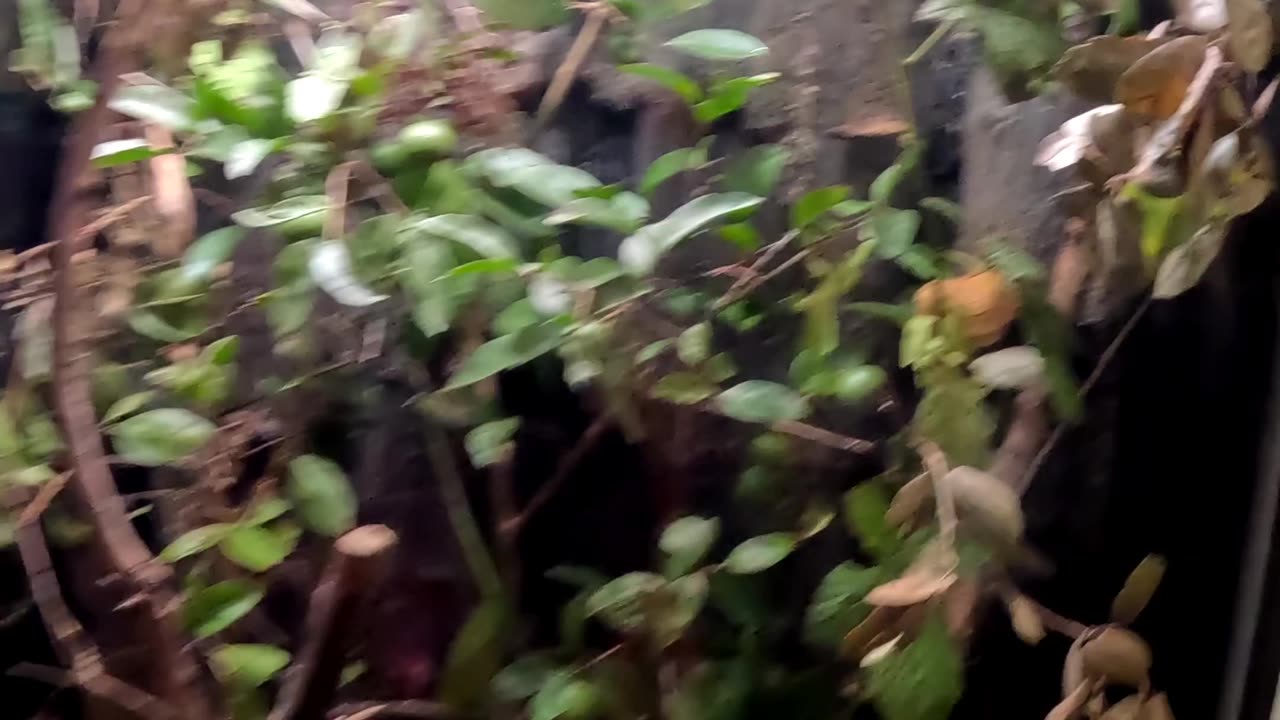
<point>359,559</point>
<point>335,189</point>
<point>125,552</point>
<point>73,645</point>
<point>597,15</point>
<point>938,34</point>
<point>483,570</point>
<point>104,687</point>
<point>744,285</point>
<point>563,472</point>
<point>109,218</point>
<point>936,463</point>
<point>396,708</point>
<point>822,436</point>
<point>1103,362</point>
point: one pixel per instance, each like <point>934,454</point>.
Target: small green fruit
<point>428,137</point>
<point>858,384</point>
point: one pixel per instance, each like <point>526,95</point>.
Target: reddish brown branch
<point>175,670</point>
<point>333,621</point>
<point>563,472</point>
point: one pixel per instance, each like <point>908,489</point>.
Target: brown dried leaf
<point>870,633</point>
<point>1026,621</point>
<point>910,501</point>
<point>1160,154</point>
<point>1157,708</point>
<point>959,605</point>
<point>984,301</point>
<point>1072,704</point>
<point>1092,69</point>
<point>913,588</point>
<point>1118,655</point>
<point>1130,708</point>
<point>1263,103</point>
<point>1201,16</point>
<point>1073,675</point>
<point>990,504</point>
<point>1154,86</point>
<point>1249,33</point>
<point>1138,589</point>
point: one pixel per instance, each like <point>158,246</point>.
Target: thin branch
<point>483,570</point>
<point>394,708</point>
<point>936,463</point>
<point>563,472</point>
<point>822,436</point>
<point>126,554</point>
<point>598,14</point>
<point>745,284</point>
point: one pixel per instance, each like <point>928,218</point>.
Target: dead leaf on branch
<point>1201,16</point>
<point>1249,33</point>
<point>1119,656</point>
<point>985,303</point>
<point>1071,705</point>
<point>912,500</point>
<point>1183,268</point>
<point>1155,85</point>
<point>1024,618</point>
<point>984,501</point>
<point>1138,590</point>
<point>1098,143</point>
<point>929,576</point>
<point>1093,69</point>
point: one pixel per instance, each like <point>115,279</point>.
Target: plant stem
<point>483,570</point>
<point>938,34</point>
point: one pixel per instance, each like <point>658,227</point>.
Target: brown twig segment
<point>333,621</point>
<point>74,647</point>
<point>598,14</point>
<point>563,472</point>
<point>177,676</point>
<point>400,708</point>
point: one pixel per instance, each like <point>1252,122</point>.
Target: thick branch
<point>333,621</point>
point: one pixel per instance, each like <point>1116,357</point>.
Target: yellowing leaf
<point>1138,589</point>
<point>1156,84</point>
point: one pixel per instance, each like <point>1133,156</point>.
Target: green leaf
<point>758,401</point>
<point>730,96</point>
<point>621,602</point>
<point>672,164</point>
<point>922,681</point>
<point>195,542</point>
<point>948,209</point>
<point>265,511</point>
<point>821,307</point>
<point>1014,46</point>
<point>157,104</point>
<point>525,14</point>
<point>683,388</point>
<point>294,208</point>
<point>760,553</point>
<point>565,696</point>
<point>256,548</point>
<point>246,156</point>
<point>491,442</point>
<point>673,80</point>
<point>653,350</point>
<point>484,238</point>
<point>686,542</point>
<point>248,665</point>
<point>523,678</point>
<point>329,263</point>
<point>757,170</point>
<point>900,314</point>
<point>221,352</point>
<point>640,252</point>
<point>953,414</point>
<point>676,606</point>
<point>864,510</point>
<point>917,334</point>
<point>624,213</point>
<point>122,152</point>
<point>322,495</point>
<point>694,344</point>
<point>895,230</point>
<point>160,437</point>
<point>815,204</point>
<point>314,97</point>
<point>507,352</point>
<point>208,252</point>
<point>215,608</point>
<point>717,44</point>
<point>744,235</point>
<point>475,656</point>
<point>837,605</point>
<point>887,182</point>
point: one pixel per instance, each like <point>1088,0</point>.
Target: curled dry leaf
<point>930,575</point>
<point>1099,143</point>
<point>1092,69</point>
<point>1073,675</point>
<point>985,303</point>
<point>171,193</point>
<point>1155,85</point>
<point>1183,268</point>
<point>871,632</point>
<point>1015,368</point>
<point>1026,621</point>
<point>985,501</point>
<point>910,501</point>
<point>1157,708</point>
<point>1249,33</point>
<point>1118,655</point>
<point>1138,589</point>
<point>1130,708</point>
<point>1202,16</point>
<point>1072,704</point>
